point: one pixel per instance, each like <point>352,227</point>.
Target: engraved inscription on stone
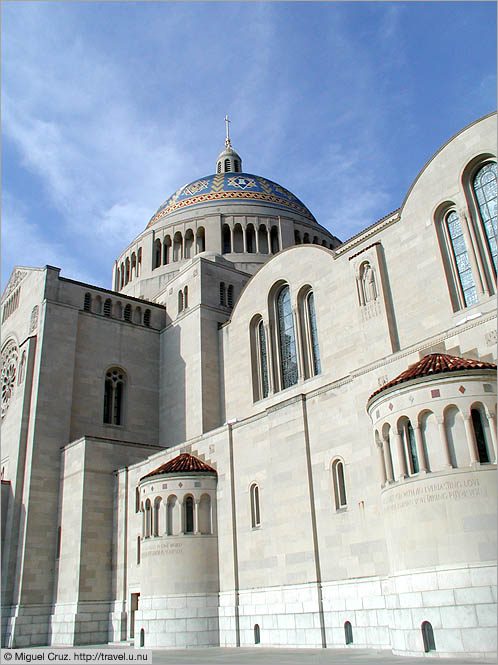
<point>491,338</point>
<point>443,490</point>
<point>163,548</point>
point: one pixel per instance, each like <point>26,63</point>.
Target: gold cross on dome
<point>227,139</point>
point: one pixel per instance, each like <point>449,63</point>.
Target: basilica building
<point>261,434</point>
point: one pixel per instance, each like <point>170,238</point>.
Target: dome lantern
<point>228,161</point>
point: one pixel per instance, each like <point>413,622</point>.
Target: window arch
<point>87,303</point>
<point>274,240</point>
<point>127,313</point>
<point>171,515</point>
<point>223,294</point>
<point>459,259</point>
<point>259,358</point>
<point>286,339</point>
<point>148,519</point>
<point>482,443</point>
<point>255,508</point>
<point>348,632</point>
<point>147,318</point>
<point>230,295</point>
<point>108,307</point>
<point>226,239</point>
<point>114,392</point>
<point>180,301</point>
<point>188,514</point>
<point>257,634</point>
<point>177,246</point>
<point>339,484</point>
<point>157,254</point>
<point>408,436</point>
<point>200,240</point>
<point>428,637</point>
<point>309,333</point>
<point>484,189</point>
<point>205,514</point>
<point>185,297</point>
<point>157,515</point>
<point>166,250</point>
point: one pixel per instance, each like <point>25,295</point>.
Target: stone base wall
<point>118,622</point>
<point>76,624</point>
<point>460,604</point>
<point>180,621</point>
<point>25,625</point>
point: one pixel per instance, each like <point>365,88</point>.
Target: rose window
<point>10,357</point>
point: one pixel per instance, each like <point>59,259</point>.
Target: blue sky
<point>109,107</point>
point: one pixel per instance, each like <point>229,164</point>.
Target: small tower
<point>228,160</point>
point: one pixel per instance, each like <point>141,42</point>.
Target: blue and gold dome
<point>233,187</point>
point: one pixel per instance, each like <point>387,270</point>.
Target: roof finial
<point>227,140</point>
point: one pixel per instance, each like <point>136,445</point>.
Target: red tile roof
<point>184,463</point>
<point>435,363</point>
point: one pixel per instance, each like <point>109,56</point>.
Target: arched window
<point>157,515</point>
<point>157,254</point>
<point>223,294</point>
<point>122,275</point>
<point>297,237</point>
<point>227,165</point>
<point>87,302</point>
<point>205,514</point>
<point>230,295</point>
<point>177,246</point>
<point>482,444</point>
<point>185,297</point>
<point>142,637</point>
<point>171,516</point>
<point>226,239</point>
<point>460,259</point>
<point>127,313</point>
<point>238,239</point>
<point>180,301</point>
<point>348,632</point>
<point>250,239</point>
<point>189,243</point>
<point>274,240</point>
<point>133,265</point>
<point>311,350</point>
<point>263,360</point>
<point>127,278</point>
<point>306,238</point>
<point>139,261</point>
<point>286,339</point>
<point>408,436</point>
<point>484,186</point>
<point>166,250</point>
<point>200,240</point>
<point>339,484</point>
<point>428,637</point>
<point>114,396</point>
<point>137,499</point>
<point>263,239</point>
<point>108,307</point>
<point>236,165</point>
<point>117,281</point>
<point>148,519</point>
<point>147,317</point>
<point>255,512</point>
<point>257,634</point>
<point>188,515</point>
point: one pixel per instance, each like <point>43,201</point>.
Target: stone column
<point>422,462</point>
<point>268,235</point>
<point>231,240</point>
<point>382,465</point>
<point>492,427</point>
<point>444,442</point>
<point>471,439</point>
<point>360,291</point>
<point>386,449</point>
<point>403,473</point>
<point>196,516</point>
<point>244,238</point>
<point>256,233</point>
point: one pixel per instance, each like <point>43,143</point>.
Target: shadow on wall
<point>172,390</point>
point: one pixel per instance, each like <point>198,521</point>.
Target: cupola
<point>228,160</point>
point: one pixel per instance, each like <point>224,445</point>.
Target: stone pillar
<point>444,442</point>
<point>244,239</point>
<point>196,516</point>
<point>382,465</point>
<point>471,439</point>
<point>422,462</point>
<point>492,427</point>
<point>268,235</point>
<point>403,472</point>
<point>387,460</point>
<point>231,240</point>
<point>360,291</point>
<point>256,233</point>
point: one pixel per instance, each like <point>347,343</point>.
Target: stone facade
<point>330,505</point>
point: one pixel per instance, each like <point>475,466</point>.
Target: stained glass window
<point>287,339</point>
<point>485,192</point>
<point>263,360</point>
<point>317,366</point>
<point>461,258</point>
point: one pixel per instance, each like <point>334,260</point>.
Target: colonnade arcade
<point>422,440</point>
